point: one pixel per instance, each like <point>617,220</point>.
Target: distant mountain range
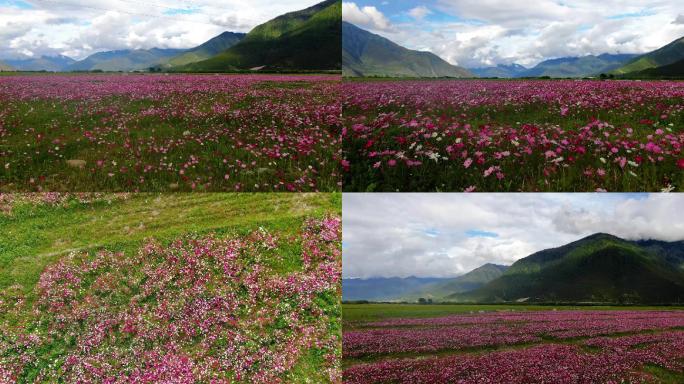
<point>124,60</point>
<point>309,39</point>
<point>5,67</point>
<point>367,54</point>
<point>43,63</point>
<point>501,70</point>
<point>413,288</point>
<point>561,67</point>
<point>599,268</point>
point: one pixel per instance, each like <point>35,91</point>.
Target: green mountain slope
<point>470,281</point>
<point>212,47</point>
<point>367,54</point>
<point>675,69</point>
<point>599,268</point>
<point>666,55</point>
<point>306,40</point>
<point>124,60</point>
<point>5,67</point>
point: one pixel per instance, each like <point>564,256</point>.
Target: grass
<point>528,173</point>
<point>196,136</point>
<point>355,313</point>
<point>34,236</point>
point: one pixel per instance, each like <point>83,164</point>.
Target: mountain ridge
<point>598,268</point>
<point>308,39</point>
<point>368,54</point>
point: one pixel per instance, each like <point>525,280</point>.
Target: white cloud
<point>475,33</point>
<point>420,12</point>
<point>368,17</point>
<point>78,29</point>
<point>427,234</point>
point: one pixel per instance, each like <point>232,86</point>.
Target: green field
<point>37,235</point>
<point>402,343</point>
<point>356,313</point>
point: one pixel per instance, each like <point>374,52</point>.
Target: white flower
<point>602,160</point>
<point>633,164</point>
<point>668,189</point>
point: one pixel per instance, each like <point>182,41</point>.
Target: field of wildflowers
<point>505,346</point>
<point>167,133</point>
<point>521,135</point>
<point>248,298</point>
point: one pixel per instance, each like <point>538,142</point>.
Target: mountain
<point>304,40</point>
<point>384,288</point>
<point>413,288</point>
<point>501,70</point>
<point>578,66</point>
<point>675,70</point>
<point>470,281</point>
<point>124,60</point>
<point>43,63</point>
<point>599,268</point>
<point>5,67</point>
<point>666,55</point>
<point>367,54</point>
<point>211,48</point>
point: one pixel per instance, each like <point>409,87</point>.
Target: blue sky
<point>443,234</point>
<point>475,33</point>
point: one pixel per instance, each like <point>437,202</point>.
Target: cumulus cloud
<point>368,17</point>
<point>449,234</point>
<point>476,33</point>
<point>78,29</point>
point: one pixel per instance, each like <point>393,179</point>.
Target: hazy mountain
<point>367,54</point>
<point>384,288</point>
<point>578,66</point>
<point>412,288</point>
<point>210,48</point>
<point>666,55</point>
<point>124,60</point>
<point>5,67</point>
<point>501,70</point>
<point>307,40</point>
<point>599,268</point>
<point>43,63</point>
<point>472,280</point>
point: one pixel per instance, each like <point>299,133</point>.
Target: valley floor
<point>403,343</point>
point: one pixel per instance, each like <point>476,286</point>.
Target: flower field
<point>522,135</point>
<point>252,303</point>
<point>166,133</point>
<point>540,346</point>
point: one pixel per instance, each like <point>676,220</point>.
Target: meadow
<point>148,288</point>
<point>513,135</point>
<point>401,343</point>
<point>149,133</point>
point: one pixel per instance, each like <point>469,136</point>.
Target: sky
<point>78,28</point>
<point>480,33</point>
<point>446,235</point>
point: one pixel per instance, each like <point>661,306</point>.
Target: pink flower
<point>391,162</point>
<point>467,163</point>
